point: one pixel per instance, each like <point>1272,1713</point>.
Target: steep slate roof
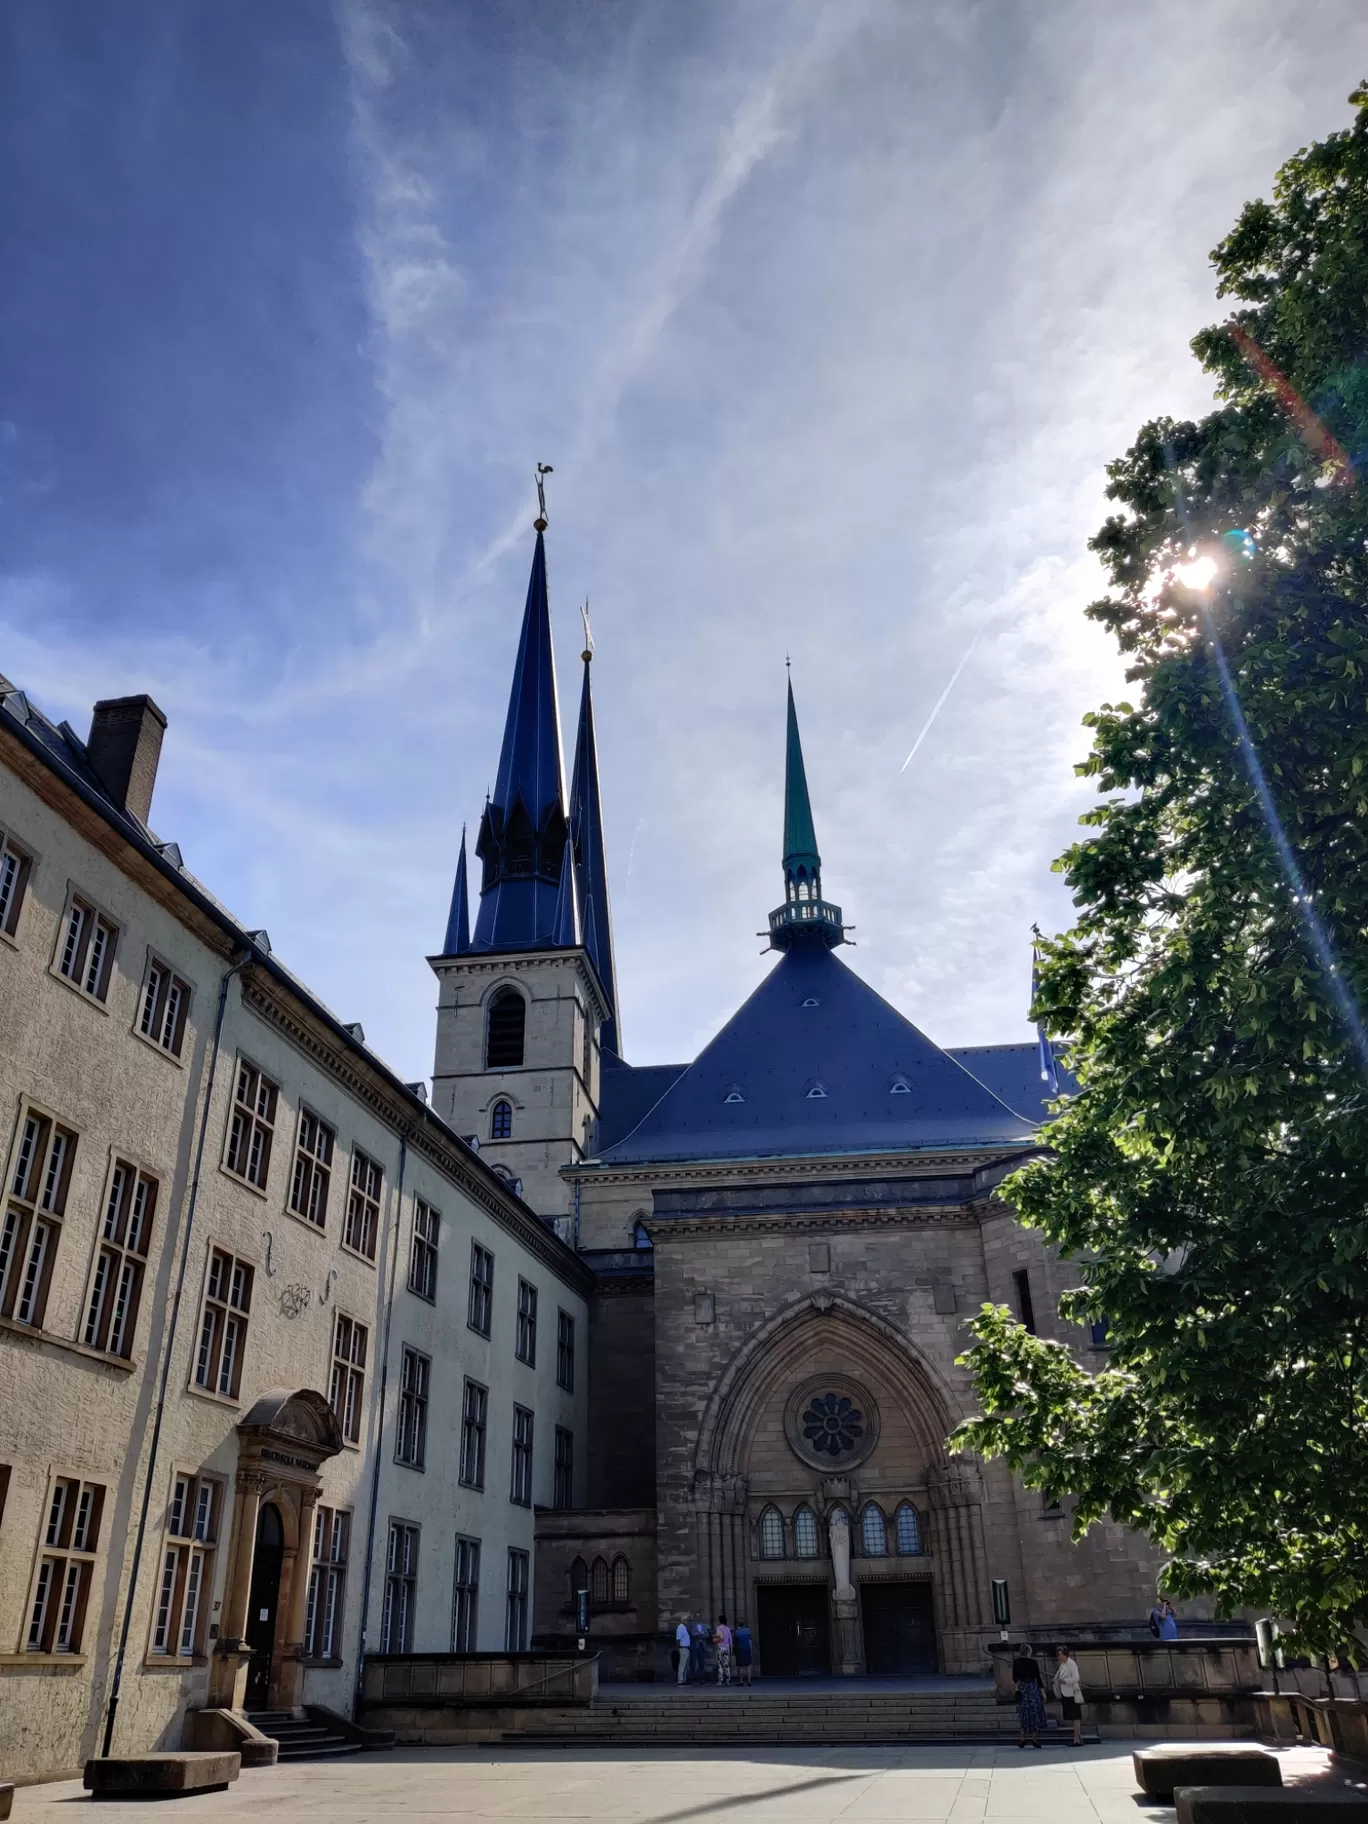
<point>817,1078</point>
<point>628,1093</point>
<point>1012,1072</point>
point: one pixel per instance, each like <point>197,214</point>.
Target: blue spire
<point>565,931</point>
<point>458,919</point>
<point>522,832</point>
<point>586,828</point>
<point>805,915</point>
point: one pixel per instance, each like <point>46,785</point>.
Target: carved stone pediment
<point>296,1425</point>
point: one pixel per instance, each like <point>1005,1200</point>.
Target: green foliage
<point>1211,1177</point>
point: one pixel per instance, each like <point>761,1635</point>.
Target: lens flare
<point>1198,575</point>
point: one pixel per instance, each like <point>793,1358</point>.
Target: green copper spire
<point>801,860</point>
<point>804,915</point>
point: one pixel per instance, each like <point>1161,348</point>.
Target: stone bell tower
<point>526,1004</point>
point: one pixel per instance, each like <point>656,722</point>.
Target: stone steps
<point>741,1716</point>
<point>301,1739</point>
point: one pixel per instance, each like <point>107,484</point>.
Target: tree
<point>1211,1175</point>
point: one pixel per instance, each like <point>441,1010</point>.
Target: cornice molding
<point>790,1170</point>
<point>522,962</point>
<point>263,996</point>
<point>749,1222</point>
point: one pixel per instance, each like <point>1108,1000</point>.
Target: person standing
<point>1168,1621</point>
<point>1030,1698</point>
<point>741,1646</point>
<point>1069,1690</point>
<point>722,1639</point>
<point>682,1650</point>
<point>698,1669</point>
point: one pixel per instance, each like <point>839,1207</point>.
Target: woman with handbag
<point>1069,1691</point>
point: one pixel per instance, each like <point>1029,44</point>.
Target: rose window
<point>832,1424</point>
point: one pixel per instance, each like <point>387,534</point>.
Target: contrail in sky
<point>940,700</point>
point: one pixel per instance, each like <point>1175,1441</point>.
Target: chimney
<point>123,749</point>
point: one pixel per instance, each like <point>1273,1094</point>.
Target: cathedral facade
<point>787,1236</point>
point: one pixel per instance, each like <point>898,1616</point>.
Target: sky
<point>828,318</point>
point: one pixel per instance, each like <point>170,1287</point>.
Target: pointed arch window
<point>505,1030</point>
<point>771,1533</point>
<point>501,1121</point>
<point>598,1583</point>
<point>874,1531</point>
<point>622,1580</point>
<point>806,1539</point>
<point>640,1239</point>
<point>579,1577</point>
<point>907,1525</point>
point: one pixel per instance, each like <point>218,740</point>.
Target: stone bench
<point>1269,1805</point>
<point>1160,1771</point>
<point>150,1775</point>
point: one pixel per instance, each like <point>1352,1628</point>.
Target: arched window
<point>771,1533</point>
<point>873,1532</point>
<point>806,1539</point>
<point>579,1577</point>
<point>908,1524</point>
<point>622,1580</point>
<point>501,1121</point>
<point>507,1022</point>
<point>640,1239</point>
<point>598,1582</point>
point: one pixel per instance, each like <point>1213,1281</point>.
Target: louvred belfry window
<point>507,1022</point>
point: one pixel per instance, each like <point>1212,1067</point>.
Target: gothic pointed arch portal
<point>829,1405</point>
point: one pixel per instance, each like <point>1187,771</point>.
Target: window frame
<point>401,1580</point>
<point>563,1470</point>
<point>919,1529</point>
<point>258,1128</point>
<point>522,1461</point>
<point>424,1250</point>
<point>873,1526</point>
<point>802,1513</point>
<point>36,1186</point>
<point>92,984</point>
<point>410,1431</point>
<point>232,1305</point>
<point>183,1600</point>
<point>565,1349</point>
<point>326,1605</point>
<point>13,883</point>
<point>771,1532</point>
<point>474,1433</point>
<point>517,1601</point>
<point>122,1255</point>
<point>61,1585</point>
<point>365,1205</point>
<point>501,1120</point>
<point>347,1376</point>
<point>465,1595</point>
<point>1023,1300</point>
<point>480,1303</point>
<point>311,1169</point>
<point>525,1343</point>
<point>162,1009</point>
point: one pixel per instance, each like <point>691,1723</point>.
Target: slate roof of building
<point>1012,1072</point>
<point>814,1062</point>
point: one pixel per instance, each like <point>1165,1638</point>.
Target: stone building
<point>787,1236</point>
<point>285,1366</point>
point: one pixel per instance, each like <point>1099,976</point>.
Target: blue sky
<point>828,319</point>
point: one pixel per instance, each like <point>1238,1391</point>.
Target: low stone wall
<point>1203,1687</point>
<point>444,1699</point>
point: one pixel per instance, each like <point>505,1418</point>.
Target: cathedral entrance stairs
<point>825,1711</point>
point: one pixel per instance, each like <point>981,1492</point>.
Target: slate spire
<point>801,860</point>
<point>522,832</point>
<point>805,915</point>
<point>586,830</point>
<point>458,919</point>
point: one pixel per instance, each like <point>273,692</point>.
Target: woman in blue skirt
<point>1030,1698</point>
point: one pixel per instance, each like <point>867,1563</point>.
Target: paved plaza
<point>759,1785</point>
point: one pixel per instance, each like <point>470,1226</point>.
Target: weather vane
<point>588,652</point>
<point>543,468</point>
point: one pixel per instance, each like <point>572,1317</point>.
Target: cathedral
<point>787,1235</point>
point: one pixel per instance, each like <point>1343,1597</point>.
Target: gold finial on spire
<point>539,523</point>
<point>588,652</point>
